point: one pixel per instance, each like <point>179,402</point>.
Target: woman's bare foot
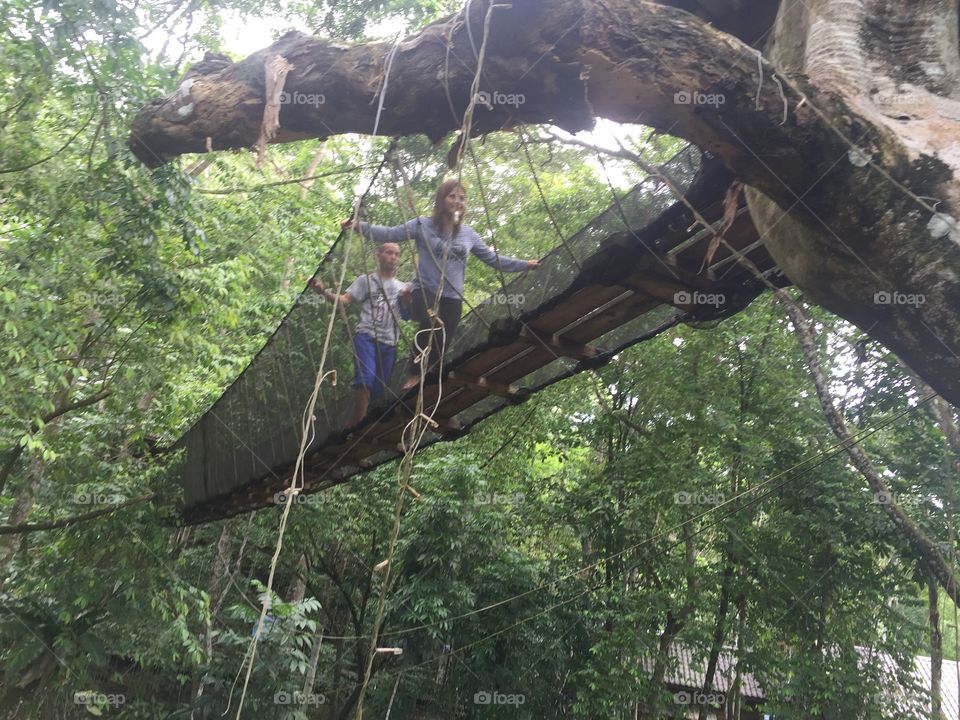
<point>411,382</point>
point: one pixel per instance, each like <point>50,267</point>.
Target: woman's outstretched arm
<point>381,233</point>
<point>508,264</point>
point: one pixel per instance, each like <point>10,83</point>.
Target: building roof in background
<point>688,671</point>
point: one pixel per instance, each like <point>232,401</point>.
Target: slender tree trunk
<point>655,700</point>
<point>337,681</point>
<point>936,651</point>
<point>719,634</point>
<point>298,585</point>
<point>733,701</point>
<point>310,680</point>
<point>215,583</point>
<point>674,624</point>
<point>9,544</point>
<point>924,548</point>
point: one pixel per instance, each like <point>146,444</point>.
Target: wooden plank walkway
<point>635,285</point>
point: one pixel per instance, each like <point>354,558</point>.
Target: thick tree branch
<point>853,203</point>
<point>73,519</point>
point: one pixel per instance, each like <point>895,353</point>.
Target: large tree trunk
<point>851,149</point>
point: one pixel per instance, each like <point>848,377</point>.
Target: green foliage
<point>554,550</point>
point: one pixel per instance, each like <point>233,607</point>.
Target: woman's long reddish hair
<point>446,187</point>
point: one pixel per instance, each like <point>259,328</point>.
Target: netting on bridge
<point>252,432</point>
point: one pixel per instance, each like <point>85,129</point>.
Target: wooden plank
<point>576,306</point>
<point>479,382</point>
<point>558,345</point>
<point>600,324</point>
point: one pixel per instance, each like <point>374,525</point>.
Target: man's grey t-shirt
<point>379,311</point>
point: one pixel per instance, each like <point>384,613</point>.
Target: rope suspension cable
<point>622,213</point>
<point>420,423</point>
<point>486,212</point>
<point>308,428</point>
<point>416,428</point>
<point>543,200</point>
<point>308,431</point>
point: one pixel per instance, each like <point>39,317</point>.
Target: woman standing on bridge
<point>443,244</point>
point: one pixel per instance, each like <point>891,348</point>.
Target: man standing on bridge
<point>375,337</point>
<point>443,243</point>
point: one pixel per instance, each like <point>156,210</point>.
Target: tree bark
<point>18,513</point>
<point>936,651</point>
<point>675,622</point>
<point>311,676</point>
<point>848,138</point>
<point>215,582</point>
<point>719,634</point>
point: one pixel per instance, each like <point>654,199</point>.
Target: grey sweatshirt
<point>433,247</point>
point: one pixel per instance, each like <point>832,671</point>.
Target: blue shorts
<point>374,364</point>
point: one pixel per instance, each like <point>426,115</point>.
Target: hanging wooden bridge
<point>633,271</point>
